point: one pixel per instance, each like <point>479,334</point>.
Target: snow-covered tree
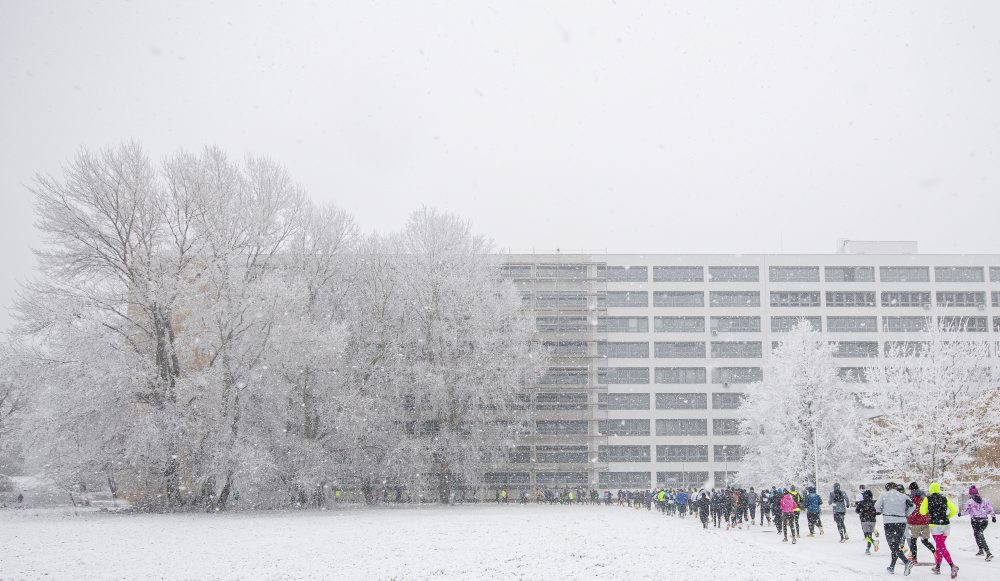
<point>801,423</point>
<point>441,349</point>
<point>935,404</point>
<point>198,328</point>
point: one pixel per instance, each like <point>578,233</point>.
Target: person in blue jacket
<point>813,503</point>
<point>682,501</point>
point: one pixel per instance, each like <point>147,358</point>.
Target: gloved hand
<point>994,518</point>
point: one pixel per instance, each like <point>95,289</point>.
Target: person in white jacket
<point>894,507</point>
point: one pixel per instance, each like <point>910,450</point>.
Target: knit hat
<point>973,491</point>
<point>913,486</point>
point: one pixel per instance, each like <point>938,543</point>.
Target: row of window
<point>639,480</point>
<point>751,298</point>
<point>750,273</point>
<point>670,401</point>
<point>639,427</point>
<point>670,453</point>
<point>736,324</point>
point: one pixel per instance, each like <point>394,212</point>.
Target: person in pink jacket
<point>788,506</point>
<point>979,509</point>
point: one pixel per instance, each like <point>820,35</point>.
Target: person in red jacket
<point>919,523</point>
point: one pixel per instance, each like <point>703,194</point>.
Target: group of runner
<point>909,515</point>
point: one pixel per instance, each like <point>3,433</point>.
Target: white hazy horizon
<point>630,127</point>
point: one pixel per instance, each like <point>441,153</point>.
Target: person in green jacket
<point>939,510</point>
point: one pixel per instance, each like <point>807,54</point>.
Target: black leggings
<point>838,517</point>
<point>894,536</point>
<point>913,546</point>
<point>788,522</point>
<point>979,530</point>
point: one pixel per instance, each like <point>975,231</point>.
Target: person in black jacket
<point>866,510</point>
<point>704,507</point>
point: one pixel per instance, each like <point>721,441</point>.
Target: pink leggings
<point>941,551</point>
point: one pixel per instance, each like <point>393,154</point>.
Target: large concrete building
<point>653,353</point>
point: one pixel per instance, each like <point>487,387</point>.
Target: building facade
<point>651,355</point>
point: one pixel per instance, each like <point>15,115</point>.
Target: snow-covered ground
<point>464,542</point>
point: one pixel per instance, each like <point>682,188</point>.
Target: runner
<point>866,511</point>
<point>979,508</point>
<point>940,509</point>
<point>894,508</point>
<point>788,507</point>
<point>839,504</point>
<point>919,524</point>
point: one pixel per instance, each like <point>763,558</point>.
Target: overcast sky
<point>627,126</point>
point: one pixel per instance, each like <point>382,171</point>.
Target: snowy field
<point>434,542</point>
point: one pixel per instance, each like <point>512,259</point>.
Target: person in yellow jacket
<point>939,510</point>
<point>797,497</point>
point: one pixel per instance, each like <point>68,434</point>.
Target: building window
<point>851,324</point>
<point>970,324</point>
<point>681,401</point>
<point>904,274</point>
<point>856,349</point>
<point>850,299</point>
<point>679,324</point>
<point>961,299</point>
<point>623,453</point>
<point>561,427</point>
<point>904,324</point>
<point>561,401</point>
<point>622,324</point>
<point>737,374</point>
<point>561,454</point>
<point>506,479</point>
<point>680,350</point>
<point>793,273</point>
<point>785,324</point>
<point>853,374</point>
<point>906,299</point>
<point>624,401</point>
<point>520,455</point>
<point>566,348</point>
<point>623,299</point>
<point>682,479</point>
<point>560,300</point>
<point>564,376</point>
<point>849,273</point>
<point>727,401</point>
<point>726,427</point>
<point>995,274</point>
<point>996,324</point>
<point>635,427</point>
<point>958,274</point>
<point>734,298</point>
<point>727,453</point>
<point>623,273</point>
<point>670,299</point>
<point>995,298</point>
<point>562,324</point>
<point>682,453</point>
<point>681,427</point>
<point>677,375</point>
<point>736,349</point>
<point>618,375</point>
<point>795,299</point>
<point>623,479</point>
<point>561,479</point>
<point>905,348</point>
<point>617,350</point>
<point>678,274</point>
<point>733,274</point>
<point>515,271</point>
<point>736,324</point>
